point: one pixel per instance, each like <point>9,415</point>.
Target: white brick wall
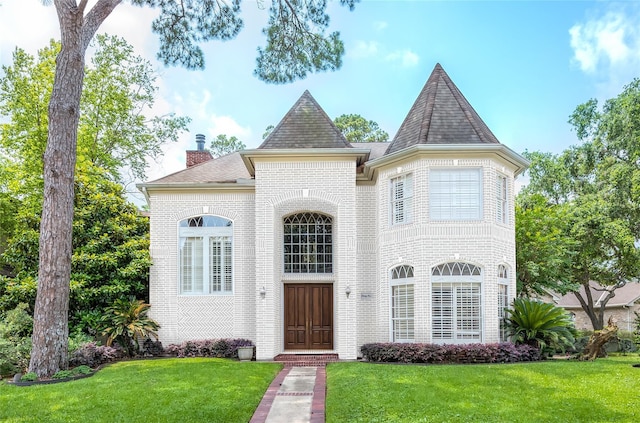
<point>366,247</point>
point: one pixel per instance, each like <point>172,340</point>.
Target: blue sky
<point>523,65</point>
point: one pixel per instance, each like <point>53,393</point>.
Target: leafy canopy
<point>355,128</point>
<point>223,145</point>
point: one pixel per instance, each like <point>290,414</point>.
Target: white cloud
<point>363,49</point>
<point>228,126</point>
<point>406,58</point>
<point>380,25</point>
<point>609,45</point>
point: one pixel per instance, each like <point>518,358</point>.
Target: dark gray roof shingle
<point>306,125</point>
<point>441,115</point>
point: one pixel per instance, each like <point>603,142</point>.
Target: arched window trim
<point>457,303</point>
<point>205,255</point>
<point>307,243</point>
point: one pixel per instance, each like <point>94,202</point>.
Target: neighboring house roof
<point>441,115</point>
<point>625,296</point>
<point>306,125</point>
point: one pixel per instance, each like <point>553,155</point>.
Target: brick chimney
<point>200,155</point>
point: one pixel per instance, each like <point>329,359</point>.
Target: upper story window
<point>455,194</point>
<point>502,212</point>
<point>308,243</point>
<point>402,304</point>
<point>206,255</point>
<point>401,199</point>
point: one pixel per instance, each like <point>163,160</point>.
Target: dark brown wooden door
<point>308,316</point>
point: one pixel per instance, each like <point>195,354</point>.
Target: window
<point>503,300</point>
<point>502,212</point>
<point>456,311</point>
<point>401,199</point>
<point>455,194</point>
<point>402,304</point>
<point>206,255</point>
<point>308,244</point>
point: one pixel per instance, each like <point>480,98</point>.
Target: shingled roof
<point>441,115</point>
<point>306,125</point>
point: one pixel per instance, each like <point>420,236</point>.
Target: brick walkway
<point>297,394</point>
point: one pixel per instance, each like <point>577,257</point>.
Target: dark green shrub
<point>128,321</point>
<point>540,325</point>
<point>15,340</point>
<point>62,374</point>
<point>29,377</point>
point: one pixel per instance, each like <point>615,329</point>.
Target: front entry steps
<point>305,360</point>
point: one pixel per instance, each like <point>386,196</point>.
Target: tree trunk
<point>595,346</point>
<point>50,320</point>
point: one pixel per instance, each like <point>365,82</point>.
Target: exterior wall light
<point>347,291</point>
<point>263,292</point>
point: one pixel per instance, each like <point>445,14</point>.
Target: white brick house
<point>312,244</point>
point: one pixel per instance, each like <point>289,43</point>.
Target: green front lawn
<point>168,390</point>
<point>606,390</point>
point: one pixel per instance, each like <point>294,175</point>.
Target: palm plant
<point>128,323</point>
<point>541,325</point>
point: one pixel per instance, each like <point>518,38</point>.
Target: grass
<point>168,390</point>
<point>606,390</point>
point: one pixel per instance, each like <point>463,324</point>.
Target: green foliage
<point>129,322</point>
<point>544,252</point>
<point>540,325</point>
<point>355,128</point>
<point>223,145</point>
<point>29,377</point>
<point>110,254</point>
<point>15,340</point>
<point>636,332</point>
<point>76,371</point>
<point>117,130</point>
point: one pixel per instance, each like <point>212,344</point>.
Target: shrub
<point>224,348</point>
<point>93,355</point>
<point>15,340</point>
<point>29,377</point>
<point>128,322</point>
<point>540,325</point>
<point>449,354</point>
<point>152,348</point>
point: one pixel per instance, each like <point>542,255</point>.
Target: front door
<point>308,316</point>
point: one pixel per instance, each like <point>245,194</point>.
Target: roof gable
<point>305,125</point>
<point>441,115</point>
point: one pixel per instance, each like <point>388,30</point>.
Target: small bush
<point>223,348</point>
<point>93,355</point>
<point>62,374</point>
<point>29,377</point>
<point>450,354</point>
<point>152,348</point>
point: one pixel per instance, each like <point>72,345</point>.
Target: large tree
<point>222,145</point>
<point>296,45</point>
<point>598,247</point>
<point>355,128</point>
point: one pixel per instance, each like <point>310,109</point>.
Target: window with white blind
<point>402,304</point>
<point>503,300</point>
<point>502,212</point>
<point>455,194</point>
<point>206,255</point>
<point>456,303</point>
<point>401,199</point>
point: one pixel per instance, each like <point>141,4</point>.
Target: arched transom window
<point>402,304</point>
<point>456,292</point>
<point>206,255</point>
<point>308,243</point>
